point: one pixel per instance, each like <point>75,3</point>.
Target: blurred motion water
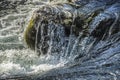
<point>16,59</point>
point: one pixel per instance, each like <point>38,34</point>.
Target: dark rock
<point>96,20</point>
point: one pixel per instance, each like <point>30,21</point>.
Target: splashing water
<point>61,49</point>
<point>15,59</point>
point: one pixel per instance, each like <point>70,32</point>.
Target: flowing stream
<point>15,59</point>
<point>62,52</point>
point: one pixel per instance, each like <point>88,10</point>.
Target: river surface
<point>16,59</point>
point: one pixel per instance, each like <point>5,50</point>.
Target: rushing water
<point>15,59</point>
<point>62,51</point>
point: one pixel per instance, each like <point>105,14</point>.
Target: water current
<point>64,51</point>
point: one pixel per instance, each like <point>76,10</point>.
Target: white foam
<point>21,61</point>
<point>15,62</point>
<point>9,68</point>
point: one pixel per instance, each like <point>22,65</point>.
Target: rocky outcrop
<point>59,25</point>
<point>94,19</point>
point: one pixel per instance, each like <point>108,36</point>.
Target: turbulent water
<point>18,61</point>
<point>15,59</point>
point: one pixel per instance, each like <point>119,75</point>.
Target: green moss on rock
<point>30,34</point>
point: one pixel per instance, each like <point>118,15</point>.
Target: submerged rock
<point>88,31</point>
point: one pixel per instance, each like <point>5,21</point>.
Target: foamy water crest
<point>15,59</point>
<point>16,62</point>
<point>65,53</point>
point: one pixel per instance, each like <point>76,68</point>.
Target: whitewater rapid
<point>15,58</point>
<point>68,57</point>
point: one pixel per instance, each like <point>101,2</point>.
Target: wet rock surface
<point>68,26</point>
<point>99,20</point>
